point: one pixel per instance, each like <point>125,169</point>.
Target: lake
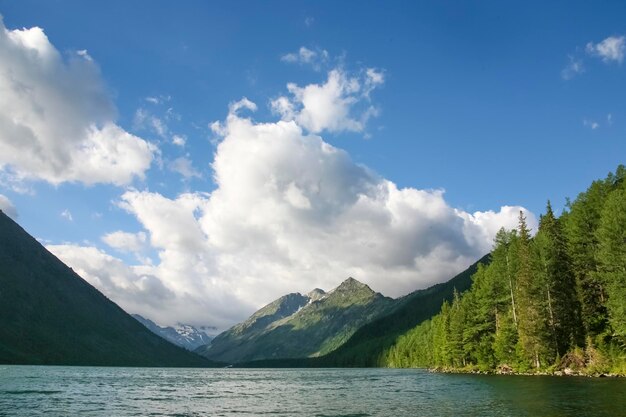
<point>94,391</point>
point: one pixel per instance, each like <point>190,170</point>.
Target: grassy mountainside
<point>298,326</point>
<point>50,315</point>
<point>367,347</point>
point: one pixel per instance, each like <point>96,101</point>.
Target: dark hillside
<point>50,315</point>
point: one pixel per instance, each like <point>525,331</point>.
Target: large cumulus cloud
<point>292,212</point>
<point>57,122</point>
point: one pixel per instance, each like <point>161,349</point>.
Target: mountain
<point>51,316</point>
<point>297,326</point>
<point>368,343</point>
<point>183,335</point>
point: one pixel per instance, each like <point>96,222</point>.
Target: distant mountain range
<point>183,335</point>
<point>51,316</point>
<point>360,347</point>
<point>296,325</point>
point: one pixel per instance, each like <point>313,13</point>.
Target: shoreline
<point>567,372</point>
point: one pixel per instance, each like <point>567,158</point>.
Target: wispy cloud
<point>179,140</point>
<point>184,167</point>
<point>67,215</point>
<point>304,56</point>
<point>573,68</point>
<point>610,49</point>
<point>160,99</point>
<point>595,124</point>
<point>145,120</point>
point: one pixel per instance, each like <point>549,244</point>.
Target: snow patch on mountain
<point>183,335</point>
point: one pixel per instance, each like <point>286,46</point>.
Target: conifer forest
<point>547,302</point>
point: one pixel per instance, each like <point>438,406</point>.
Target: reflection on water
<point>36,390</point>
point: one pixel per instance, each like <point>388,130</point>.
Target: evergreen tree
<point>532,321</point>
<point>480,322</point>
<point>581,224</point>
<point>455,337</point>
<point>564,315</point>
<point>611,236</point>
<point>502,274</point>
<point>505,340</point>
<point>441,331</point>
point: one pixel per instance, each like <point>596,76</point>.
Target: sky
<point>196,160</point>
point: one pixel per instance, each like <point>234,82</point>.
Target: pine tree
<point>455,338</point>
<point>480,322</point>
<point>611,236</point>
<point>505,340</point>
<point>532,324</point>
<point>441,331</point>
<point>502,274</point>
<point>580,227</point>
<point>564,316</point>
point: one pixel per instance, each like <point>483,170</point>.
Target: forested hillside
<point>552,302</point>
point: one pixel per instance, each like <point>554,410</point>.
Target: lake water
<point>51,391</point>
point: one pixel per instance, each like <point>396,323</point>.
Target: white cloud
<point>244,103</point>
<point>160,99</point>
<point>67,215</point>
<point>593,125</point>
<point>480,227</point>
<point>134,290</point>
<point>144,120</point>
<point>290,213</point>
<point>610,49</point>
<point>7,207</point>
<point>184,167</point>
<point>305,56</point>
<point>126,242</point>
<point>179,140</point>
<point>341,104</point>
<point>57,122</point>
<point>573,68</point>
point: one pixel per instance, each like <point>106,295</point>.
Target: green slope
<point>297,326</point>
<point>368,344</point>
<point>50,315</point>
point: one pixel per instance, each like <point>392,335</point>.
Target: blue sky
<point>498,105</point>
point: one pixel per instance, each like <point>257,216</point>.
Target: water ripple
<point>60,391</point>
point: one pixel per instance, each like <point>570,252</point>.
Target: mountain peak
<point>320,322</point>
<point>352,284</point>
<point>316,294</point>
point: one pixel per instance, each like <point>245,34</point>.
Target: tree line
<point>550,301</point>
